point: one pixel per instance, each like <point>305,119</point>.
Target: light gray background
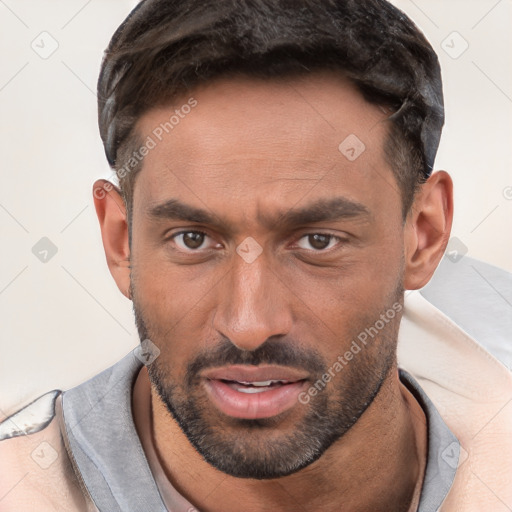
<point>64,320</point>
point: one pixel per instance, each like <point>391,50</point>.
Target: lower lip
<point>264,404</point>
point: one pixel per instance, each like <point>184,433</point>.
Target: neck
<point>377,465</point>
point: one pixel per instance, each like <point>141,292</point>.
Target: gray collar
<point>104,442</point>
<point>107,450</point>
<point>443,450</point>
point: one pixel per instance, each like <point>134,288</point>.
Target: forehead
<point>249,136</point>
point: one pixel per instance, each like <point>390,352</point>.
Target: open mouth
<point>255,386</point>
<point>253,392</point>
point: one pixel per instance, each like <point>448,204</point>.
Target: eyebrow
<point>321,210</point>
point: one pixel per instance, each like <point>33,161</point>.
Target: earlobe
<point>111,212</point>
<point>428,229</point>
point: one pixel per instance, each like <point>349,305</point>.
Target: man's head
<point>271,229</point>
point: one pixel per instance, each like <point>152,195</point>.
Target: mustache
<point>273,351</point>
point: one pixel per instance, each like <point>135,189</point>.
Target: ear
<point>427,229</point>
<point>111,212</point>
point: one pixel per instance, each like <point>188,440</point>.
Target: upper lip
<point>251,373</point>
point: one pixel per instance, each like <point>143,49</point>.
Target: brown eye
<point>190,239</point>
<point>317,241</point>
<point>193,240</point>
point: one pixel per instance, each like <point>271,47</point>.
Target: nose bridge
<point>252,308</point>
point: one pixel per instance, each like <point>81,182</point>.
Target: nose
<point>252,305</point>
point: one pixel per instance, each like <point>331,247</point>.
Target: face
<point>267,267</point>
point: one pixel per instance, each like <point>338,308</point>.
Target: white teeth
<point>263,383</point>
<point>252,390</point>
<point>256,387</point>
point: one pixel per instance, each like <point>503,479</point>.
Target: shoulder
<point>35,467</point>
<point>478,298</point>
<point>30,419</point>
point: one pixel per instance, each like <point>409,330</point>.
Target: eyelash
<point>305,235</point>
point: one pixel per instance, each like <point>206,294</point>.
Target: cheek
<point>336,305</point>
<point>168,288</point>
<point>362,278</point>
<point>175,303</point>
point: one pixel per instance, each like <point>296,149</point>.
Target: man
<point>276,198</point>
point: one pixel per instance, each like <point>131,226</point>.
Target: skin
<point>250,151</point>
